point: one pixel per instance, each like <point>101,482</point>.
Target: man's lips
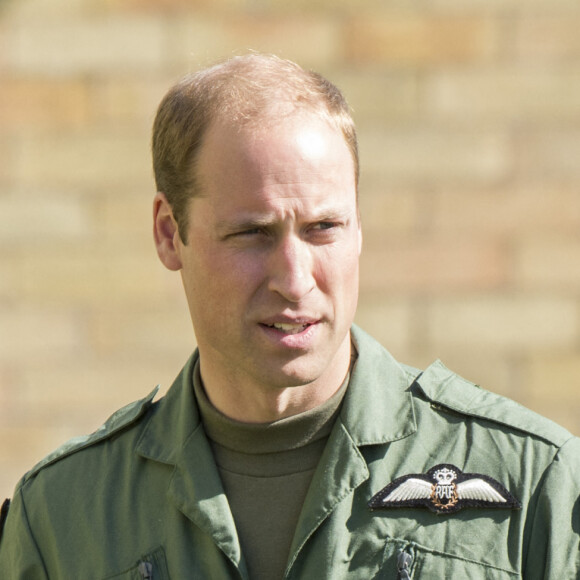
<point>290,326</point>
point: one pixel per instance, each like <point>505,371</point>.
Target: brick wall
<point>469,120</point>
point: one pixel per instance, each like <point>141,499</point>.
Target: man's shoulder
<point>122,420</point>
<point>446,391</point>
<point>438,391</point>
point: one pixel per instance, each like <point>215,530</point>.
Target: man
<point>291,445</point>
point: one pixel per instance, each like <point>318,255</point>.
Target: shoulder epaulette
<point>446,389</point>
<point>411,372</point>
<point>117,421</point>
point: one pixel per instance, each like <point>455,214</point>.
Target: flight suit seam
<point>447,408</point>
<point>426,549</point>
<point>29,530</point>
<point>533,509</point>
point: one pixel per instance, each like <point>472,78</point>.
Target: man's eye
<point>249,232</point>
<point>324,225</point>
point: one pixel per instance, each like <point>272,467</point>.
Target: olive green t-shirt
<point>266,470</point>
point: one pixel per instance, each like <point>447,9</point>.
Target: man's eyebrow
<point>263,221</point>
<point>245,223</point>
<point>333,213</point>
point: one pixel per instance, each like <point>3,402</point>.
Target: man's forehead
<point>270,126</point>
<point>300,169</point>
<point>307,146</point>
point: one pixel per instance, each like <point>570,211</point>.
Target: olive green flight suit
<point>142,498</point>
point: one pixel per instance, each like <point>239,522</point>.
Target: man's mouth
<point>288,328</point>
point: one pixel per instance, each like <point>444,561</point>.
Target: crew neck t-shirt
<point>266,470</point>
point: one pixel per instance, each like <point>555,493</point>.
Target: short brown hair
<point>244,89</point>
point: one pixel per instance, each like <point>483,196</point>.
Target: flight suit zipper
<point>146,570</point>
<point>404,561</point>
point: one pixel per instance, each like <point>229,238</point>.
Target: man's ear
<point>166,233</point>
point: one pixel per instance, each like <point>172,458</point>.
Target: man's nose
<point>291,269</point>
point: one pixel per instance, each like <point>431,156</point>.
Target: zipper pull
<point>404,561</point>
<point>146,570</point>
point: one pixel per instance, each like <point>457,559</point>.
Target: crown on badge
<point>445,476</point>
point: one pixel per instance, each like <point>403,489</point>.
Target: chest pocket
<point>412,562</point>
<point>152,566</point>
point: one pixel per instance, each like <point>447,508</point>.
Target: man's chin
<point>301,372</point>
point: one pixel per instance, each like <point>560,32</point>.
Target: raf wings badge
<point>444,489</point>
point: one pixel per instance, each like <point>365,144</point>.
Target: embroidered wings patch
<point>444,489</point>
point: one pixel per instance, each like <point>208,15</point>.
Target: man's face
<point>270,269</point>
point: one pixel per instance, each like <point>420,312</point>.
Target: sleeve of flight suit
<point>19,555</point>
<point>553,547</point>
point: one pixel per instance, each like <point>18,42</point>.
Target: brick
<point>142,332</point>
<point>388,321</point>
<point>431,265</point>
<point>203,39</point>
<point>282,8</point>
<point>39,333</point>
<point>396,211</point>
<point>9,152</point>
<point>40,103</point>
<point>95,273</point>
<point>176,6</point>
<point>129,216</point>
<point>541,7</point>
<point>510,210</point>
<point>81,396</point>
<point>508,94</point>
<point>64,44</point>
<point>379,96</point>
<point>548,263</point>
<point>552,153</point>
<point>85,160</point>
<point>400,326</point>
<point>420,40</point>
<point>32,9</point>
<point>488,368</point>
<point>326,7</point>
<point>507,324</point>
<point>128,102</point>
<point>548,38</point>
<point>29,218</point>
<point>10,279</point>
<point>551,383</point>
<point>8,385</point>
<point>546,373</point>
<point>293,37</point>
<point>426,156</point>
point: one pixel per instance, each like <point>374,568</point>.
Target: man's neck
<point>249,401</point>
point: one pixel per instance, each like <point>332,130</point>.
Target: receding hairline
<point>303,125</point>
<point>246,91</point>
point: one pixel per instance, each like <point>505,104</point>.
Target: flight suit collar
<point>378,406</point>
<point>175,436</point>
<point>174,419</point>
<point>377,409</point>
